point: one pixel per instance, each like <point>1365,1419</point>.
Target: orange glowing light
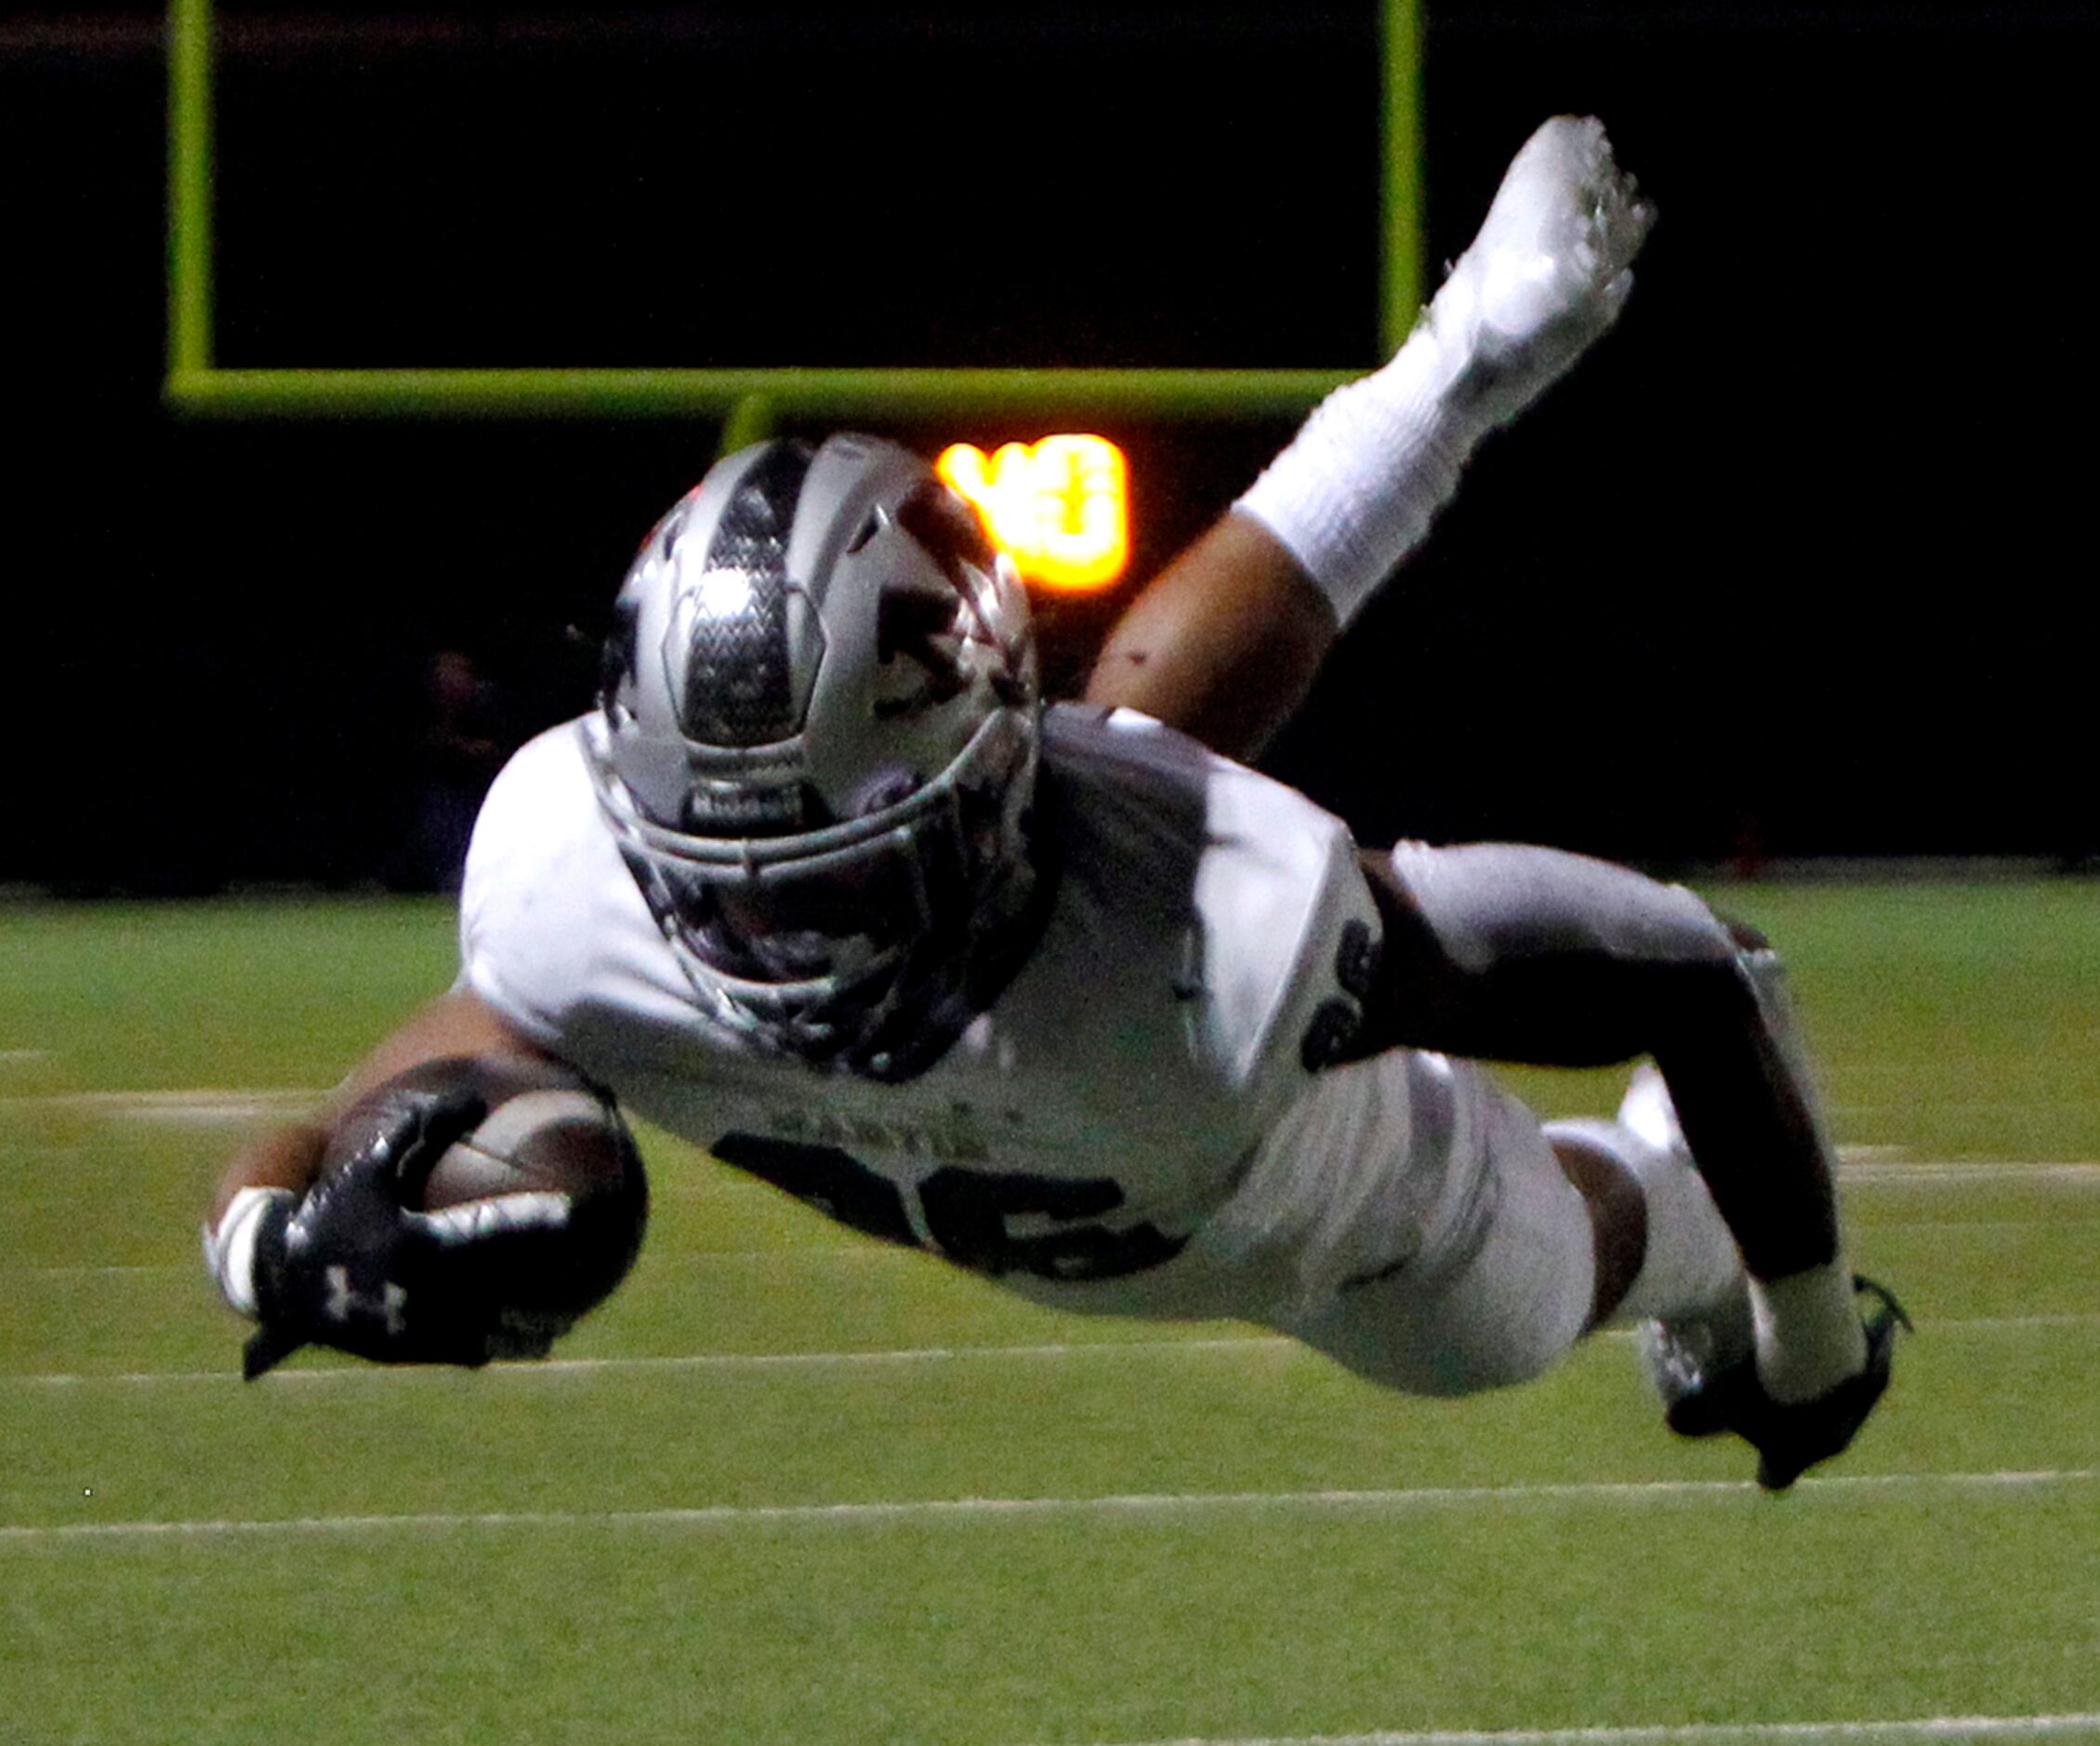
<point>1061,506</point>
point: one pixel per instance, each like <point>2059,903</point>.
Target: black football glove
<point>1791,1436</point>
<point>352,1266</point>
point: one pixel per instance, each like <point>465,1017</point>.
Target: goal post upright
<point>189,192</point>
<point>1400,172</point>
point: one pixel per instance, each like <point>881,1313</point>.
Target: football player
<point>1067,997</point>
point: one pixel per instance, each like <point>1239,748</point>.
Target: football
<point>546,1130</point>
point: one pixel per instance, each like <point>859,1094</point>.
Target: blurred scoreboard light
<point>1060,506</point>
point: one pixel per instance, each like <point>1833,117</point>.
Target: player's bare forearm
<point>288,1155</point>
<point>1223,644</point>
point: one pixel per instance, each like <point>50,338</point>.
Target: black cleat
<point>1790,1437</point>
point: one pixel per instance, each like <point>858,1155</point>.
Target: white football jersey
<point>1196,972</point>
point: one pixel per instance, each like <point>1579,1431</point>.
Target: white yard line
<point>2075,1222</point>
<point>146,1103</point>
<point>198,1104</point>
<point>886,1357</point>
<point>852,1253</point>
<point>1923,1175</point>
<point>1930,1728</point>
<point>1880,1173</point>
<point>1865,1163</point>
<point>1157,1504</point>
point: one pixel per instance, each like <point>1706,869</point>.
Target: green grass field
<point>789,1486</point>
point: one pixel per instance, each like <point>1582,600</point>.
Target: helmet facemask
<point>817,747</point>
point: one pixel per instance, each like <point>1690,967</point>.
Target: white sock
<point>1355,491</point>
<point>1809,1334</point>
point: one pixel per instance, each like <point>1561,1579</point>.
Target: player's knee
<point>1444,1363</point>
<point>1496,1305</point>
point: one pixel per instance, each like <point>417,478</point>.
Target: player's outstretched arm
<point>1225,642</point>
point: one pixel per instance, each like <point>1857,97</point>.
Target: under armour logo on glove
<point>345,1304</point>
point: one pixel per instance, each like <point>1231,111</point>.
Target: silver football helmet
<point>816,746</point>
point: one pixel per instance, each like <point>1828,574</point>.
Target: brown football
<point>546,1128</point>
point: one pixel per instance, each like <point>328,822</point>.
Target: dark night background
<point>1788,568</point>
